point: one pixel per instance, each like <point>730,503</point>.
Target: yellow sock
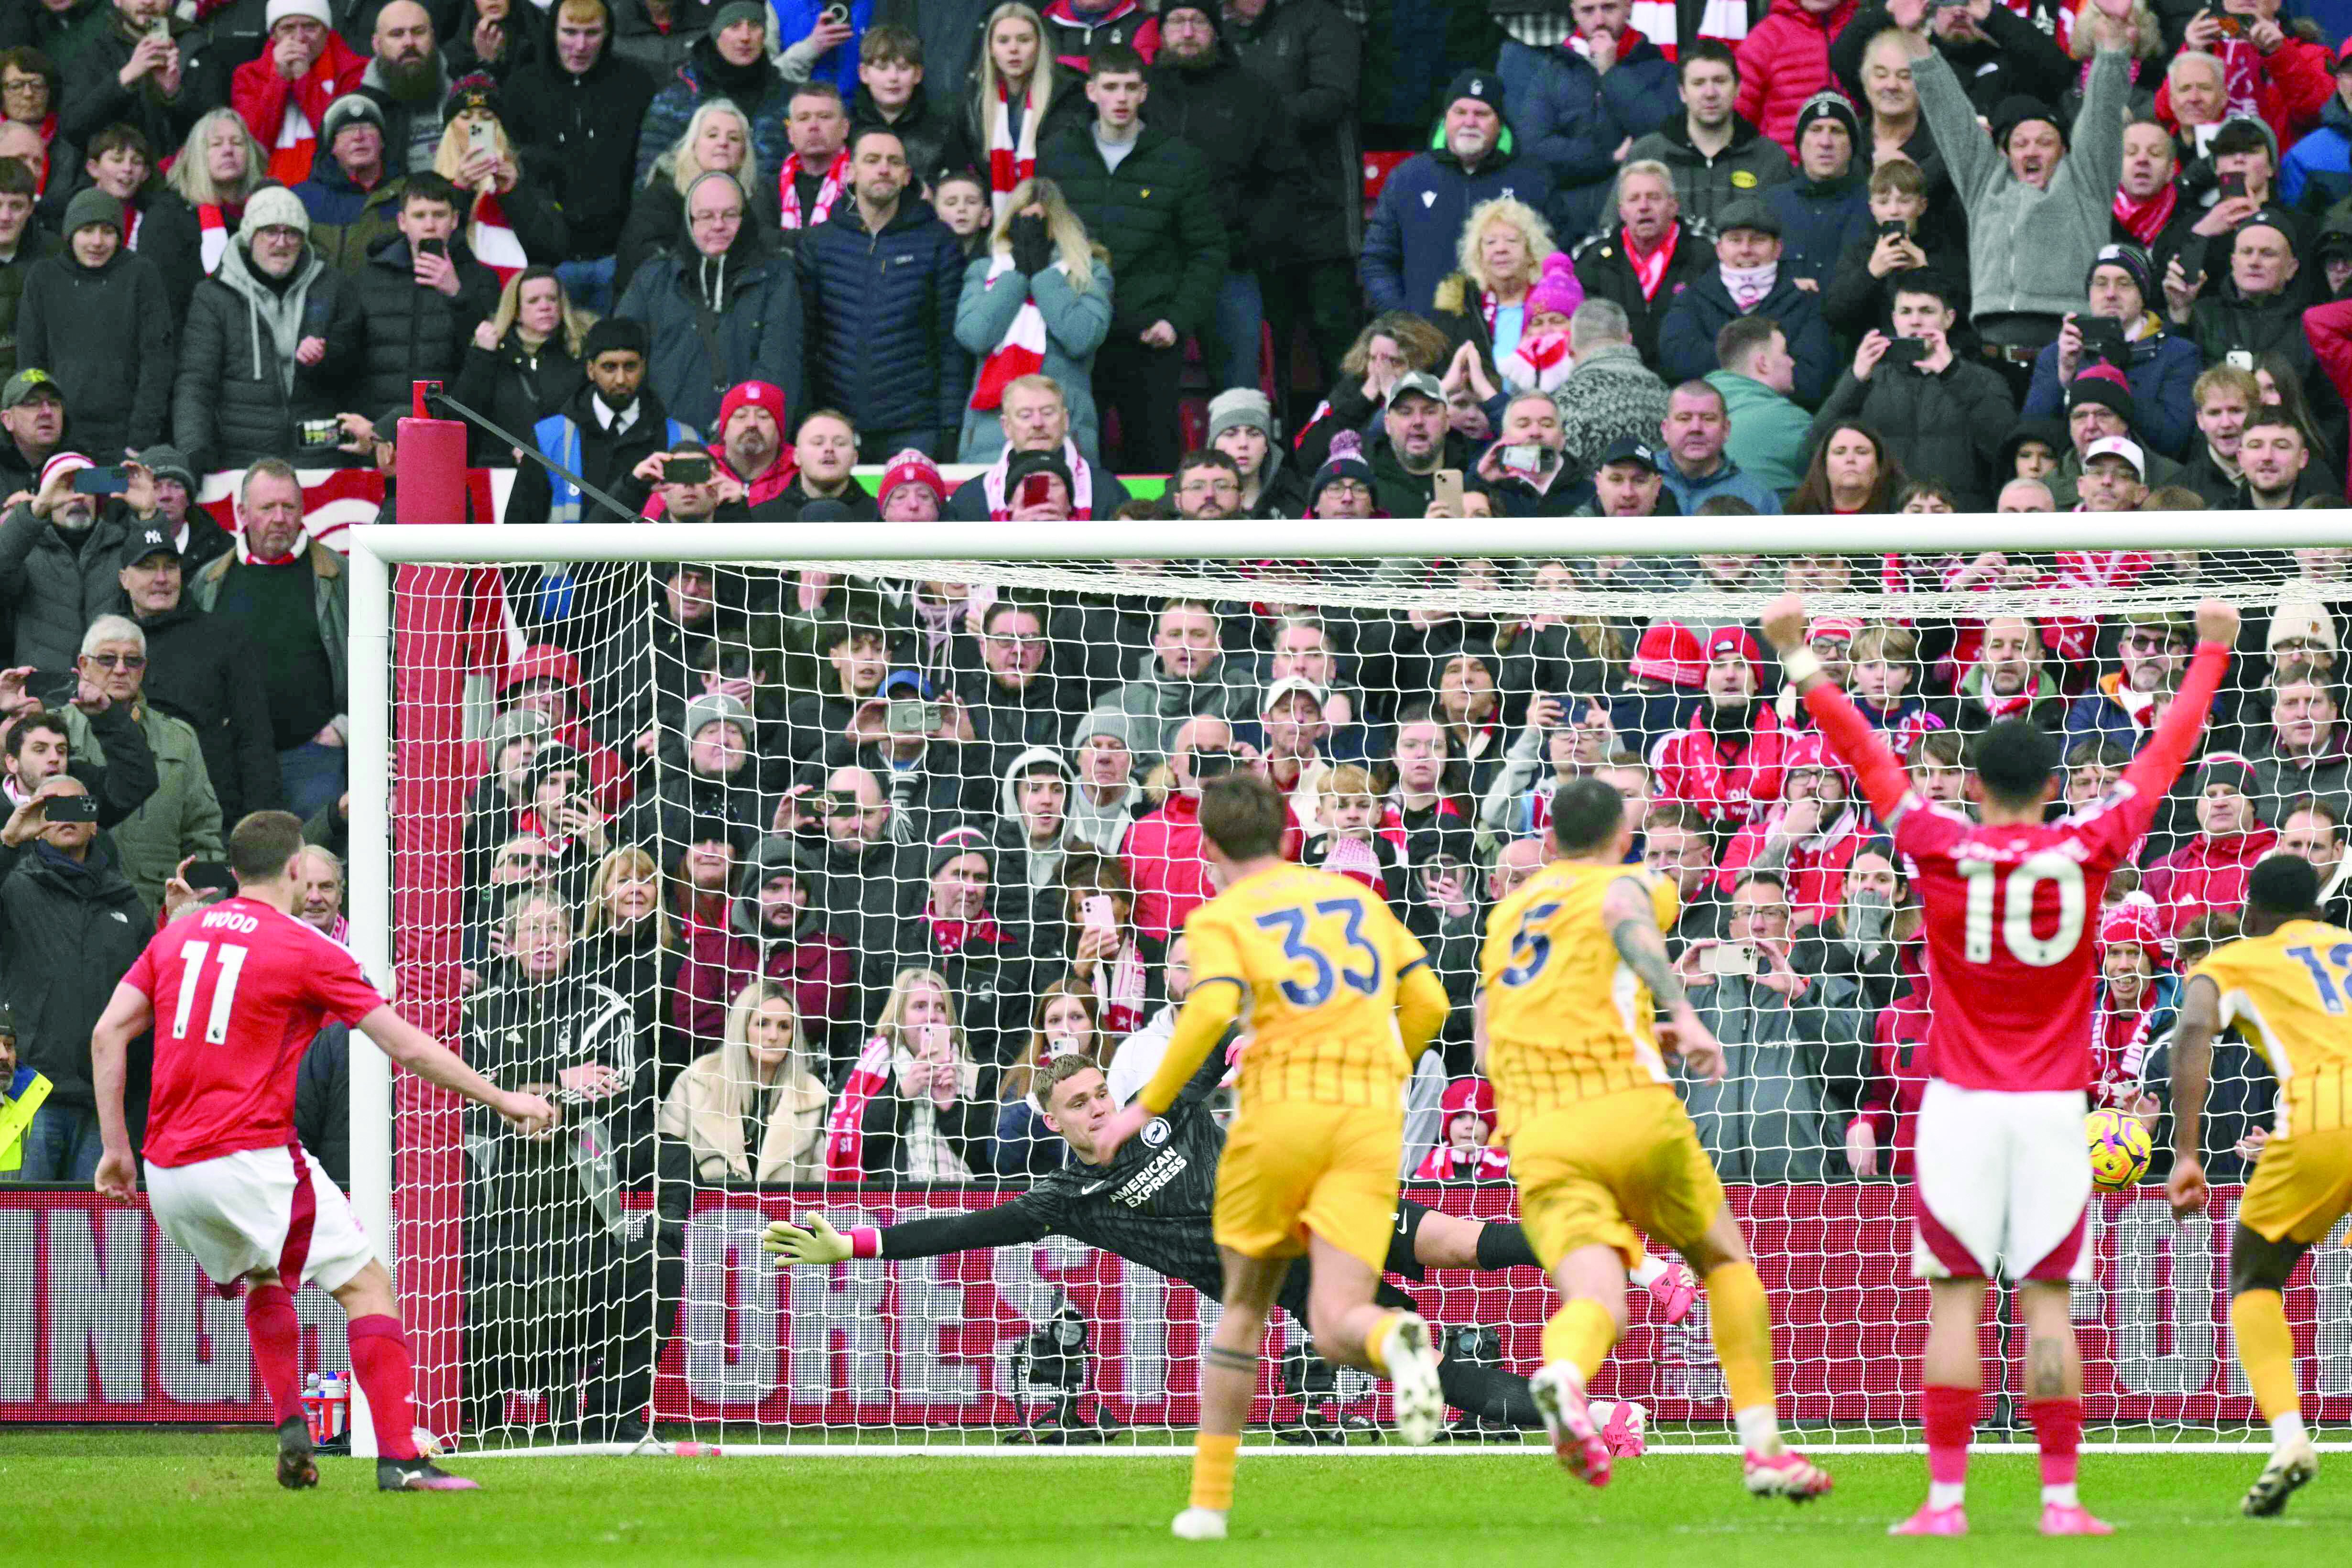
<point>1579,1333</point>
<point>1214,1455</point>
<point>1378,1338</point>
<point>2267,1350</point>
<point>1741,1322</point>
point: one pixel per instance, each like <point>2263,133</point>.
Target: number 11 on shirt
<point>231,963</point>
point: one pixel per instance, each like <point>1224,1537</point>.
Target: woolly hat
<point>2134,919</point>
<point>1483,84</point>
<point>61,463</point>
<point>1024,464</point>
<point>1474,1095</point>
<point>764,395</point>
<point>912,466</point>
<point>90,206</point>
<point>1209,9</point>
<point>1830,104</point>
<point>2228,768</point>
<point>273,206</point>
<point>2015,111</point>
<point>351,105</point>
<point>2305,618</point>
<point>711,707</point>
<point>1844,628</point>
<point>955,845</point>
<point>610,334</point>
<point>1346,462</point>
<point>1558,292</point>
<point>1669,651</point>
<point>475,89</point>
<point>2132,260</point>
<point>169,463</point>
<point>315,9</point>
<point>736,11</point>
<point>2102,382</point>
<point>1243,405</point>
<point>1741,641</point>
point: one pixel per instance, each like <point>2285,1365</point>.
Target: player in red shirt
<point>235,994</point>
<point>2003,1172</point>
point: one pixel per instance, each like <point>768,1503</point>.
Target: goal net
<point>790,874</point>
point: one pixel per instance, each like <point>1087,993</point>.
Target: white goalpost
<point>607,813</point>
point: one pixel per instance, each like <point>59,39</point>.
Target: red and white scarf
<point>828,190</point>
<point>2147,219</point>
<point>214,242</point>
<point>844,1130</point>
<point>1020,352</point>
<point>493,240</point>
<point>1120,991</point>
<point>1650,269</point>
<point>1082,484</point>
<point>1011,161</point>
<point>297,139</point>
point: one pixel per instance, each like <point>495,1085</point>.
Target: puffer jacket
<point>579,137</point>
<point>2317,171</point>
<point>1574,118</point>
<point>1310,57</point>
<point>91,97</point>
<point>183,818</point>
<point>1784,61</point>
<point>882,319</point>
<point>1949,426</point>
<point>413,332</point>
<point>107,335</point>
<point>68,933</point>
<point>1076,325</point>
<point>2162,373</point>
<point>239,390</point>
<point>745,306</point>
<point>1410,245</point>
<point>1158,217</point>
<point>1705,185</point>
<point>757,90</point>
<point>57,586</point>
<point>1686,338</point>
<point>347,223</point>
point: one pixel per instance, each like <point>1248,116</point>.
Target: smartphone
<point>209,875</point>
<point>2232,24</point>
<point>1097,913</point>
<point>1906,351</point>
<point>834,15</point>
<point>832,803</point>
<point>1212,765</point>
<point>2191,257</point>
<point>907,718</point>
<point>1894,229</point>
<point>682,470</point>
<point>1727,958</point>
<point>2101,336</point>
<point>2231,184</point>
<point>100,482</point>
<point>319,434</point>
<point>71,808</point>
<point>159,29</point>
<point>1037,490</point>
<point>478,137</point>
<point>432,247</point>
<point>1445,489</point>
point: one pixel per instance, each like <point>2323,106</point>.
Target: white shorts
<point>2004,1185</point>
<point>248,1210</point>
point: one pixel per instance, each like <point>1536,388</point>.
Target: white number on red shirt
<point>192,964</point>
<point>2015,920</point>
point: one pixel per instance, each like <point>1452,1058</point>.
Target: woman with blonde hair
<point>911,1107</point>
<point>1499,259</point>
<point>753,1109</point>
<point>630,946</point>
<point>1039,281</point>
<point>189,224</point>
<point>1064,1023</point>
<point>510,218</point>
<point>717,139</point>
<point>524,362</point>
<point>1015,91</point>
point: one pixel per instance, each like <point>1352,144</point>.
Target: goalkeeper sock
<point>1493,1392</point>
<point>380,1361</point>
<point>2058,1427</point>
<point>2267,1350</point>
<point>1951,1417</point>
<point>1580,1333</point>
<point>1740,1323</point>
<point>1214,1455</point>
<point>1505,1246</point>
<point>275,1330</point>
<point>1650,1267</point>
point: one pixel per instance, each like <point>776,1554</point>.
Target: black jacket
<point>58,583</point>
<point>1157,215</point>
<point>172,236</point>
<point>1606,274</point>
<point>68,933</point>
<point>200,668</point>
<point>715,324</point>
<point>322,1102</point>
<point>1309,59</point>
<point>413,332</point>
<point>1686,334</point>
<point>605,460</point>
<point>1948,426</point>
<point>238,391</point>
<point>579,137</point>
<point>106,333</point>
<point>516,388</point>
<point>37,245</point>
<point>881,344</point>
<point>91,96</point>
<point>1224,112</point>
<point>935,140</point>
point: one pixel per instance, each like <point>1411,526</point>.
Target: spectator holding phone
<point>58,552</point>
<point>2121,329</point>
<point>911,1109</point>
<point>95,317</point>
<point>1940,413</point>
<point>420,295</point>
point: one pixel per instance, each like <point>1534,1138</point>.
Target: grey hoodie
<point>1103,828</point>
<point>1043,867</point>
<point>2029,250</point>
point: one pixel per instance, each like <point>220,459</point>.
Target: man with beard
<point>1414,442</point>
<point>1207,486</point>
<point>1411,242</point>
<point>1715,157</point>
<point>2150,658</point>
<point>2007,681</point>
<point>750,449</point>
<point>1199,93</point>
<point>58,552</point>
<point>774,932</point>
<point>1726,764</point>
<point>408,82</point>
<point>1645,261</point>
<point>603,432</point>
<point>2275,463</point>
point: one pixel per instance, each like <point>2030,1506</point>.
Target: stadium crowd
<point>802,880</point>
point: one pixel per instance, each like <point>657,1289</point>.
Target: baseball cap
<point>1420,383</point>
<point>25,384</point>
<point>1628,450</point>
<point>2118,446</point>
<point>148,541</point>
<point>1289,684</point>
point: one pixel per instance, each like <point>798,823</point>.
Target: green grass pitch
<point>192,1500</point>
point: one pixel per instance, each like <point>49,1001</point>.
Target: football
<point>2120,1148</point>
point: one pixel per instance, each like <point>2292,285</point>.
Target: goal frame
<point>377,549</point>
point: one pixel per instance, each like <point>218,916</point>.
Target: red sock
<point>275,1330</point>
<point>1950,1415</point>
<point>379,1359</point>
<point>2058,1426</point>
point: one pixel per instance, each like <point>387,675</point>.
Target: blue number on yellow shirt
<point>1291,924</point>
<point>2330,987</point>
<point>1532,951</point>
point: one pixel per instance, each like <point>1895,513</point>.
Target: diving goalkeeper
<point>1151,1204</point>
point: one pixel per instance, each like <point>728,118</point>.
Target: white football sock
<point>1946,1494</point>
<point>2287,1428</point>
<point>1759,1430</point>
<point>2062,1495</point>
<point>1648,1270</point>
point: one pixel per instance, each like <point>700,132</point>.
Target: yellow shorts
<point>2301,1186</point>
<point>1602,1171</point>
<point>1293,1167</point>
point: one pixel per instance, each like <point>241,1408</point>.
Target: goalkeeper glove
<point>820,1243</point>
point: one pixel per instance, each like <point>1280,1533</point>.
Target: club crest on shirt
<point>1155,1131</point>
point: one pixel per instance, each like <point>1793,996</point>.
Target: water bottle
<point>334,1399</point>
<point>314,1409</point>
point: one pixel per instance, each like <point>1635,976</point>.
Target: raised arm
<point>1630,919</point>
<point>1883,782</point>
<point>2152,772</point>
<point>2192,1072</point>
